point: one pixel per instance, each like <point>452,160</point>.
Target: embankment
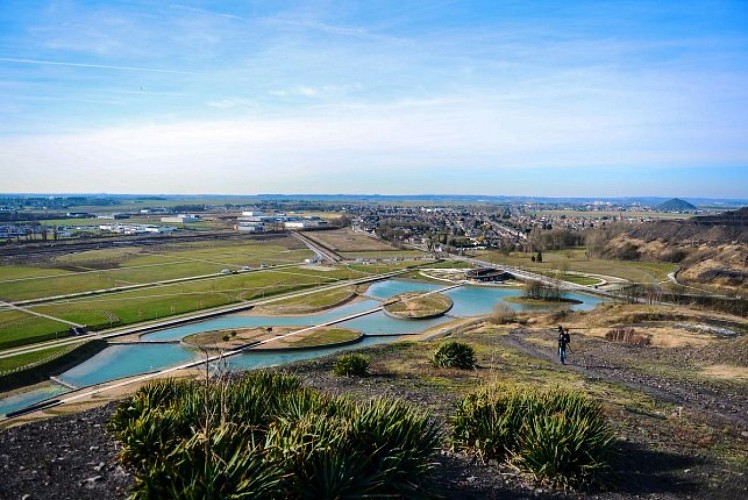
<point>41,373</point>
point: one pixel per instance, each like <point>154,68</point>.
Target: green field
<point>580,280</point>
<point>416,305</point>
<point>311,302</point>
<point>379,268</point>
<point>576,260</point>
<point>37,357</point>
<point>322,336</point>
<point>18,328</point>
<point>125,308</point>
<point>102,269</point>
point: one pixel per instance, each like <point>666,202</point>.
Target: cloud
<point>39,62</point>
<point>231,103</point>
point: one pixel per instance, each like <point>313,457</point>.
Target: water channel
<point>118,361</point>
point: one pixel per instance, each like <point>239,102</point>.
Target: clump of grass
<point>628,336</point>
<point>560,438</point>
<point>502,314</point>
<point>351,365</point>
<point>264,436</point>
<point>455,355</point>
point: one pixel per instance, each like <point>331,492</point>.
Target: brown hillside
<point>712,250</point>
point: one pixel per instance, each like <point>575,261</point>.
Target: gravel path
<point>612,362</point>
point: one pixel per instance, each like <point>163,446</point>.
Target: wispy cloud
<point>40,62</point>
<point>196,10</point>
<point>231,103</point>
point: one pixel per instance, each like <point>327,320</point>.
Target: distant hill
<point>727,227</point>
<point>712,250</point>
<point>675,205</point>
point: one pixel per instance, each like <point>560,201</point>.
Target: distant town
<point>429,221</point>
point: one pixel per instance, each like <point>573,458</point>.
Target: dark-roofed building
<point>488,274</point>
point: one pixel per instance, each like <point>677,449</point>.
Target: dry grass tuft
<point>628,336</point>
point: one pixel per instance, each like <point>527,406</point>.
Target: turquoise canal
<point>119,361</point>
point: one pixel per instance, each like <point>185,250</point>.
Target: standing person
<point>563,340</point>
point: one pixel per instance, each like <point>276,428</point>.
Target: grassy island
<point>416,305</point>
<point>235,338</point>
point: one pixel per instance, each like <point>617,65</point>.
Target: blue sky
<point>500,97</point>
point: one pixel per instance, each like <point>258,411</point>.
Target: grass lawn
<point>310,303</point>
<point>237,337</point>
<point>19,328</point>
<point>101,269</point>
<point>575,260</point>
<point>347,240</point>
<point>321,336</point>
<point>379,267</point>
<point>415,305</point>
<point>317,337</point>
<point>451,264</point>
<point>20,272</point>
<point>580,280</point>
<point>33,358</point>
<point>125,308</point>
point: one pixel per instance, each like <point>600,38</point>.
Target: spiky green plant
<point>561,438</point>
<point>158,394</point>
<point>351,365</point>
<point>379,448</point>
<point>225,464</point>
<point>489,422</point>
<point>566,447</point>
<point>455,355</point>
<point>194,441</point>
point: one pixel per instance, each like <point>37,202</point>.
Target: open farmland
<point>117,267</point>
<point>347,240</point>
<point>350,244</point>
<point>124,308</point>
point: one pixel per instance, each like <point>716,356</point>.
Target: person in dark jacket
<point>563,340</point>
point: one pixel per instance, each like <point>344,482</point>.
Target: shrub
<point>488,422</point>
<point>566,442</point>
<point>560,438</point>
<point>351,365</point>
<point>503,314</point>
<point>455,355</point>
<point>225,464</point>
<point>265,436</point>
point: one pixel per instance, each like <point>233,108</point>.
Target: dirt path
<point>612,362</point>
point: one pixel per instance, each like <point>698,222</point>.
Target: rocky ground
<point>690,442</point>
